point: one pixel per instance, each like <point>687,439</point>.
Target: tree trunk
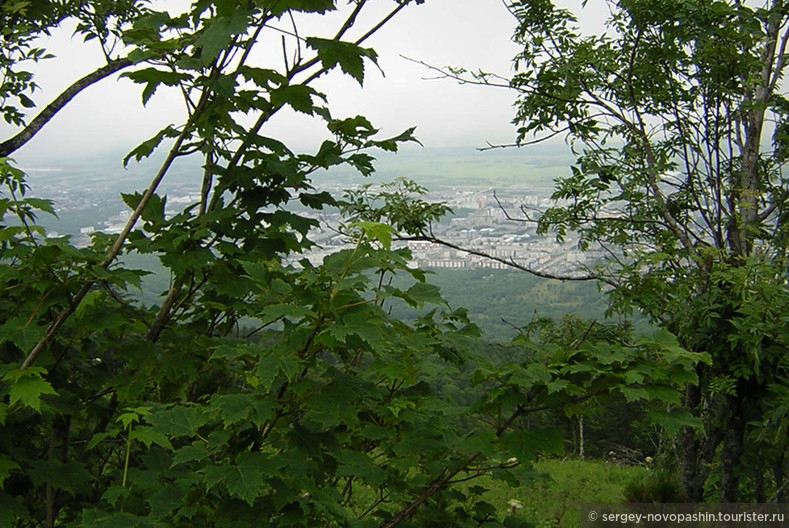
<point>732,451</point>
<point>690,449</point>
<point>698,452</point>
<point>758,484</point>
<point>778,474</point>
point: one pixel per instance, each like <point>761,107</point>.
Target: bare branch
<point>478,80</point>
<point>536,141</point>
<point>779,63</point>
<point>508,262</point>
<point>372,31</point>
<point>285,53</point>
<point>12,144</point>
<point>351,20</point>
<point>510,9</point>
<point>297,52</point>
<point>507,213</point>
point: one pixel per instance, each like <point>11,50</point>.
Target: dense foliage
<point>326,411</point>
<point>678,116</point>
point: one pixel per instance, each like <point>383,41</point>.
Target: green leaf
<point>356,322</point>
<point>273,312</point>
<point>12,509</point>
<point>67,476</point>
<point>20,332</point>
<point>297,96</point>
<point>362,162</point>
<point>153,210</point>
<point>216,37</point>
<point>317,200</point>
<point>152,78</point>
<point>6,466</point>
<point>376,231</point>
<point>355,464</point>
<point>193,259</point>
<point>305,6</point>
<point>42,204</point>
<point>146,148</point>
<point>675,419</point>
<point>28,386</point>
<point>148,436</point>
<point>132,416</point>
<point>177,421</point>
<point>166,499</point>
<point>26,101</point>
<point>97,438</point>
<point>483,441</point>
<point>244,479</point>
<point>664,393</point>
<point>115,494</point>
<point>351,128</point>
<point>350,57</point>
<point>423,293</point>
<point>531,375</point>
<point>233,408</point>
<point>196,451</point>
<point>267,369</point>
<point>274,362</point>
<point>664,338</point>
<point>392,144</point>
<point>264,78</point>
<point>262,410</point>
<point>632,394</point>
<point>558,385</point>
<point>290,365</point>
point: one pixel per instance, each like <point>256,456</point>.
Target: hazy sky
<point>471,33</point>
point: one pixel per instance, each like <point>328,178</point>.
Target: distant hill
<point>501,301</point>
<point>461,166</point>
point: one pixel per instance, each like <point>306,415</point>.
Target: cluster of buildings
<point>487,229</point>
<point>485,222</point>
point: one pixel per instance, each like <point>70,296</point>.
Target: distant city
<point>485,219</point>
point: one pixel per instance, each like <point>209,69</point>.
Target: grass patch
<point>556,496</point>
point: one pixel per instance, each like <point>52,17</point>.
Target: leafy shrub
<point>656,487</point>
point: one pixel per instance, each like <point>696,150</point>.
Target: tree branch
<point>519,144</point>
<point>115,250</point>
<point>9,146</point>
<point>508,262</point>
<point>351,20</point>
<point>440,483</point>
<point>526,217</point>
<point>476,80</point>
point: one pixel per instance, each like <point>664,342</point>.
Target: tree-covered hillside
<point>503,302</point>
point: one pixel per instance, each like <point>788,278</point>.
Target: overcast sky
<point>470,33</point>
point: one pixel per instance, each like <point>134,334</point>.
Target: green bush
<point>655,487</point>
